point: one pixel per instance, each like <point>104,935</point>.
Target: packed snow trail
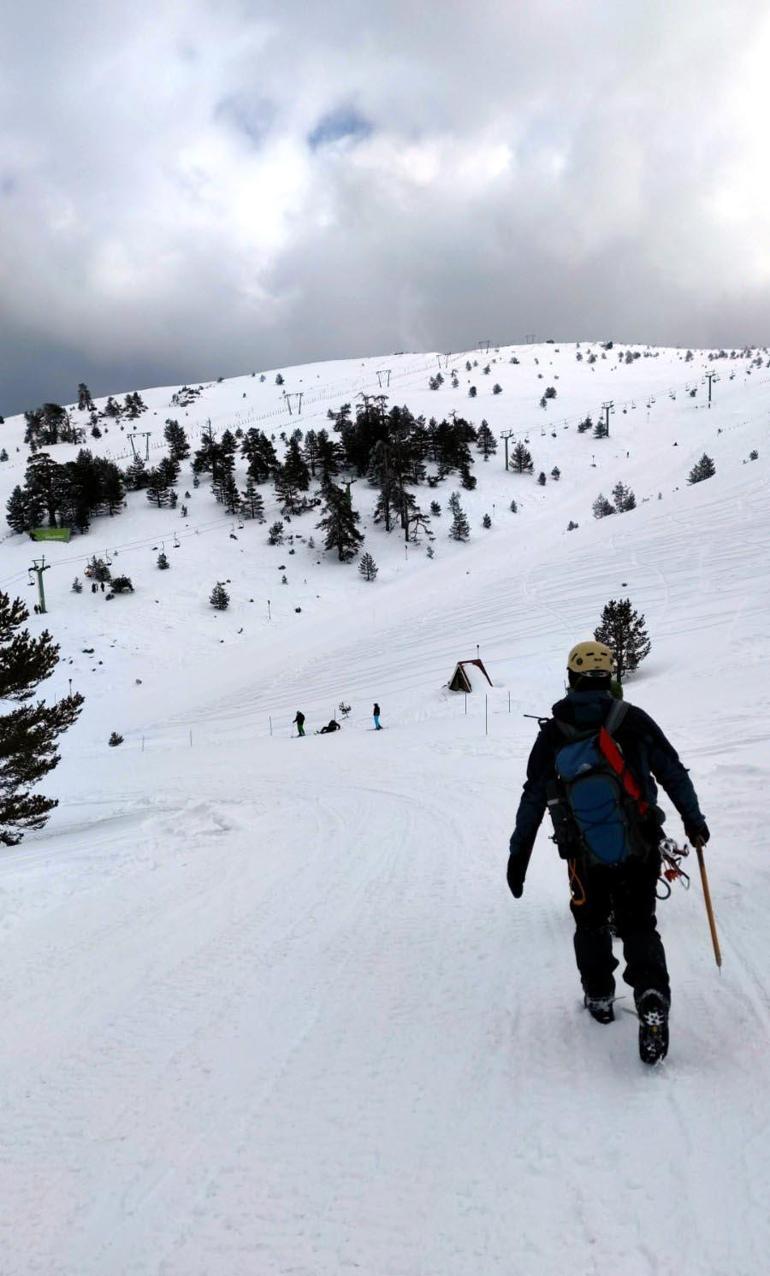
<point>296,1024</point>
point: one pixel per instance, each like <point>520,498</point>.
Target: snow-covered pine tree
<point>219,597</point>
<point>275,533</point>
<point>624,631</point>
<point>367,567</point>
<point>703,469</point>
<point>163,562</point>
<point>28,733</point>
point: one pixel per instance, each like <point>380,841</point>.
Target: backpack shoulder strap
<point>566,729</point>
<point>614,718</point>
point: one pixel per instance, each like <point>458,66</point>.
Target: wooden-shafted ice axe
<point>698,844</point>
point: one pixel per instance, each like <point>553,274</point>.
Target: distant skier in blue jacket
<point>626,891</point>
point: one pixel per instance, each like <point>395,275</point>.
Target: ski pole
<point>707,900</point>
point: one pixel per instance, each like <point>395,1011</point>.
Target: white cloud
<point>159,197</point>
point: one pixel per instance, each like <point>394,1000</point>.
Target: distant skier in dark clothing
<point>300,723</point>
<point>625,889</point>
<point>330,726</point>
<point>376,716</point>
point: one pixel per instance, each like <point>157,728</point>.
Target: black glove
<point>697,833</point>
<point>517,871</point>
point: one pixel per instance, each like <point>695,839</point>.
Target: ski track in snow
<point>268,1007</point>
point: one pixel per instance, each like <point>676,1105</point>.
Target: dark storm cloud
<point>197,189</point>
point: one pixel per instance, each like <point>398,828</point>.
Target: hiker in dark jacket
<point>626,891</point>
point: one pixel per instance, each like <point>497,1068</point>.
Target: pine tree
<point>367,567</point>
<point>600,430</point>
<point>339,523</point>
<point>176,438</point>
<point>460,529</point>
<point>602,507</point>
<point>486,521</point>
<point>521,460</point>
<point>163,562</point>
<point>275,534</point>
<point>541,478</point>
<point>252,503</point>
<point>17,513</point>
<point>28,734</point>
<point>623,630</point>
<point>158,487</point>
<point>137,475</point>
<point>231,497</point>
<point>219,597</point>
<point>623,497</point>
<point>77,585</point>
<point>485,441</point>
<point>85,402</point>
<point>555,473</point>
<point>704,469</point>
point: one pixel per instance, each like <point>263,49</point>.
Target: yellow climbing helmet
<point>590,657</point>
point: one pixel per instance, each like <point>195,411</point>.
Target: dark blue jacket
<point>650,756</point>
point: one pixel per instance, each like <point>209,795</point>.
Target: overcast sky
<point>199,188</point>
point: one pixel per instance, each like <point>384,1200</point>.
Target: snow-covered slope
<point>268,1005</point>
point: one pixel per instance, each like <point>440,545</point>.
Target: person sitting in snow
<point>626,889</point>
<point>330,726</point>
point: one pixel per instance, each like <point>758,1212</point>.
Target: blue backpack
<point>604,802</point>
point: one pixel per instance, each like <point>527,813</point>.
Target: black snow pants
<point>628,894</point>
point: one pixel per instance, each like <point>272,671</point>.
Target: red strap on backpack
<point>611,753</point>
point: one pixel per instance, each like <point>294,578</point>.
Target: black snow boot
<point>652,1009</point>
<point>600,1008</point>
